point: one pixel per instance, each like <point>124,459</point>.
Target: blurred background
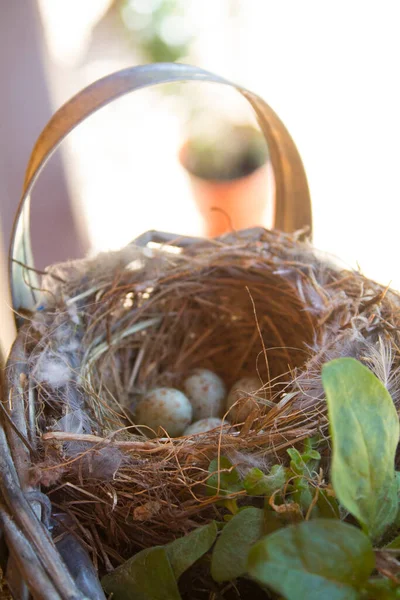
<point>329,69</point>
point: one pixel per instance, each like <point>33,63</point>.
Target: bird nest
<point>109,329</point>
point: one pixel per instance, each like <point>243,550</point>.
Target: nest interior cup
<point>97,334</point>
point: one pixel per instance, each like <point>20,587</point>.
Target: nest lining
<point>111,328</point>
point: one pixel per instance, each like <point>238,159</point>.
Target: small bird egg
<point>206,392</point>
<point>203,425</point>
<point>164,407</point>
<point>238,402</point>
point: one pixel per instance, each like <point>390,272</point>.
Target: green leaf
<point>381,589</point>
<point>394,544</point>
<point>256,483</point>
<point>328,507</point>
<point>365,431</point>
<point>316,559</point>
<point>312,443</point>
<point>185,551</point>
<point>311,455</point>
<point>303,494</point>
<point>229,558</point>
<point>396,523</point>
<point>303,464</point>
<point>231,505</point>
<point>224,478</point>
<point>146,576</point>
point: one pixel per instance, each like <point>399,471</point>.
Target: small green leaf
<point>229,558</point>
<point>312,443</point>
<point>328,507</point>
<point>256,483</point>
<point>224,478</point>
<point>231,505</point>
<point>304,464</point>
<point>185,551</point>
<point>311,455</point>
<point>296,460</point>
<point>314,560</point>
<point>365,432</point>
<point>394,544</point>
<point>303,494</point>
<point>146,576</point>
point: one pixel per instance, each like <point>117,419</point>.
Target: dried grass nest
<point>112,327</point>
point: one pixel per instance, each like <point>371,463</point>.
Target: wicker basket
<point>35,567</point>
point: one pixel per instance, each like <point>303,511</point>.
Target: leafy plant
<point>316,559</point>
<point>365,431</point>
<point>227,152</point>
<point>262,539</point>
<point>152,574</point>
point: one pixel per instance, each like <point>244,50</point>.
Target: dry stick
<point>127,354</point>
<point>16,430</point>
<point>279,337</point>
<point>29,525</point>
<point>25,557</point>
<point>117,378</point>
<point>47,273</point>
<point>136,367</point>
<point>94,439</point>
<point>247,350</point>
<point>262,340</point>
<point>103,553</point>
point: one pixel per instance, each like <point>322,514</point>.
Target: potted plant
<point>230,176</point>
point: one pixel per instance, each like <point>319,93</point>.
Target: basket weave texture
<point>109,329</point>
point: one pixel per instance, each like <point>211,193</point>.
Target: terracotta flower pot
<point>237,203</point>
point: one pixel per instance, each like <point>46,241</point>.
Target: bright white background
<point>329,69</point>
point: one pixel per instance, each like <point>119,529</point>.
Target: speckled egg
<point>164,407</point>
<point>204,425</point>
<point>240,394</point>
<point>206,392</point>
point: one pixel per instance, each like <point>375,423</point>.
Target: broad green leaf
<point>185,551</point>
<point>257,483</point>
<point>224,478</point>
<point>146,576</point>
<point>365,431</point>
<point>317,559</point>
<point>229,558</point>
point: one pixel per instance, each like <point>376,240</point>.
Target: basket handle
<point>293,205</point>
